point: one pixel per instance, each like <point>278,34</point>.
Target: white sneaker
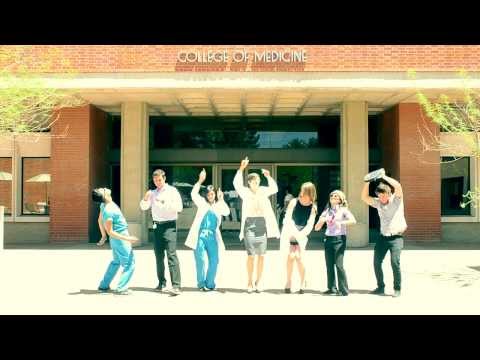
<point>258,287</point>
<point>250,289</point>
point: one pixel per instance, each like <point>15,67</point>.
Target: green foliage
<point>27,103</point>
<point>458,117</point>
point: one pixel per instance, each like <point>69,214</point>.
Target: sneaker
<point>378,291</point>
<point>288,291</point>
<point>330,292</point>
<point>301,291</point>
<point>206,289</point>
<point>258,287</point>
<point>176,291</point>
<point>397,293</point>
<point>123,292</point>
<point>250,289</point>
<point>341,293</point>
<point>160,288</point>
<point>104,290</point>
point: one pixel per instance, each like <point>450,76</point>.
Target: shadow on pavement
<point>90,292</point>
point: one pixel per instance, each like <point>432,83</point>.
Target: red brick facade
<point>163,58</point>
<point>418,172</point>
<point>76,166</point>
<point>78,162</point>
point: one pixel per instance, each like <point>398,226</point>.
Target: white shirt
<point>392,216</point>
<point>166,203</point>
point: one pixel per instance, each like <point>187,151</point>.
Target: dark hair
<point>98,195</point>
<point>383,188</point>
<point>207,190</point>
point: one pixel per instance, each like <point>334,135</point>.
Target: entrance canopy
<point>260,94</point>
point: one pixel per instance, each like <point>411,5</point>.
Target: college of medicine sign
<point>242,56</point>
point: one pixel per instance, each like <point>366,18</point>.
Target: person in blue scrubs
<point>204,235</point>
<point>112,223</point>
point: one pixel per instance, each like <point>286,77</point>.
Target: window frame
<point>474,213</point>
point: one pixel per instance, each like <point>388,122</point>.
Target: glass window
<point>35,186</point>
<point>255,133</point>
<point>6,184</point>
<point>455,183</point>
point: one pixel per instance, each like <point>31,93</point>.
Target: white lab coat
<point>289,229</point>
<point>264,192</point>
<point>220,208</point>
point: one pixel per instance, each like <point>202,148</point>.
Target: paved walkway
<point>62,279</point>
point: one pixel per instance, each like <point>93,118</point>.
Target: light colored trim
<point>341,80</point>
<point>32,219</point>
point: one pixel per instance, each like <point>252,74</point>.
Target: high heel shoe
<point>302,288</point>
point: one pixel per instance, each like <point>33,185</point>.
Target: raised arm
<point>365,197</point>
<point>196,198</point>
<point>238,179</point>
<point>272,187</point>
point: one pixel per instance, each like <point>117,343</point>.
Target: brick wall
<point>98,165</point>
<point>162,58</point>
<point>418,172</point>
<point>75,168</point>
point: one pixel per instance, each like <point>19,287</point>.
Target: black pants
<point>166,240</point>
<point>334,251</point>
<point>395,245</point>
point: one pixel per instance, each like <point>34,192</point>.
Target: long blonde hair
<point>341,195</point>
<point>310,190</point>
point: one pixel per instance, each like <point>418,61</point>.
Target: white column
<point>354,166</point>
<point>134,166</point>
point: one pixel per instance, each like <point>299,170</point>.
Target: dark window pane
<point>116,132</point>
<point>115,184</point>
<point>254,133</point>
<point>455,183</point>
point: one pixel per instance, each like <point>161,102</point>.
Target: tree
<point>27,104</point>
<point>459,116</point>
